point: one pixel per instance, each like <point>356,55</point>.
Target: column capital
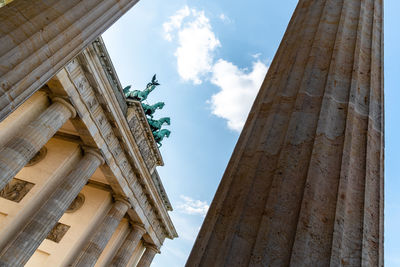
<point>151,247</point>
<point>122,199</point>
<point>138,226</point>
<point>66,103</point>
<point>95,152</point>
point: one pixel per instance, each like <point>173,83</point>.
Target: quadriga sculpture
<point>156,125</point>
<point>159,135</point>
<point>141,95</point>
<point>150,109</point>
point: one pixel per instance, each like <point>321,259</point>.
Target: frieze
<point>72,65</point>
<point>108,68</point>
<point>97,113</point>
<point>92,102</point>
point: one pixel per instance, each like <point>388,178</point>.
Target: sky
<point>210,58</point>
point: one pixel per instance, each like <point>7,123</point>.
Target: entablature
<point>131,153</point>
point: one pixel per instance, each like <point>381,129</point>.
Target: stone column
<point>148,255</point>
<point>128,246</point>
<point>98,242</point>
<point>304,186</point>
<point>18,252</point>
<point>17,152</point>
<point>39,37</point>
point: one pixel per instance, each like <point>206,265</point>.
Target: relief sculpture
<point>16,190</point>
<point>58,232</point>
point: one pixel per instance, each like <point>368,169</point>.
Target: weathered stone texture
<point>98,242</point>
<point>17,152</point>
<point>304,186</point>
<point>148,256</point>
<point>39,37</point>
<point>141,131</point>
<point>127,248</point>
<point>18,252</point>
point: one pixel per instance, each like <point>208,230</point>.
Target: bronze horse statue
<point>150,109</point>
<point>155,125</point>
<point>141,95</point>
<point>159,135</point>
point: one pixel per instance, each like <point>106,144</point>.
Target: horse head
<point>165,132</point>
<point>166,120</point>
<point>159,105</point>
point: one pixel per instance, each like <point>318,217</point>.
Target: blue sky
<point>210,58</point>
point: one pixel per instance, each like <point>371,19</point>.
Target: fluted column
<point>304,186</point>
<point>18,252</point>
<point>128,246</point>
<point>17,152</point>
<point>148,255</point>
<point>39,37</point>
<point>98,242</point>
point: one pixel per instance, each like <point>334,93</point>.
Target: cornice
<point>161,190</point>
<point>84,72</point>
<point>109,70</point>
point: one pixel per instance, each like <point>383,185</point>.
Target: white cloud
<point>195,61</point>
<point>175,22</point>
<point>192,207</point>
<point>225,18</point>
<point>196,43</point>
<point>238,91</point>
<point>256,56</point>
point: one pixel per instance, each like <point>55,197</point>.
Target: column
<point>18,252</point>
<point>148,255</point>
<point>39,37</point>
<point>98,242</point>
<point>129,245</point>
<point>304,186</point>
<point>17,152</point>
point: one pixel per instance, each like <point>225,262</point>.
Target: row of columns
<point>93,249</point>
<point>18,151</point>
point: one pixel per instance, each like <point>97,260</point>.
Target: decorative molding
<point>123,199</point>
<point>58,232</point>
<point>151,246</point>
<point>88,97</point>
<point>40,155</point>
<point>76,204</point>
<point>66,103</point>
<point>161,190</point>
<point>143,136</point>
<point>110,72</point>
<point>16,190</point>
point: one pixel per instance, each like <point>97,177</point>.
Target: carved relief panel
<point>58,232</point>
<point>16,190</point>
